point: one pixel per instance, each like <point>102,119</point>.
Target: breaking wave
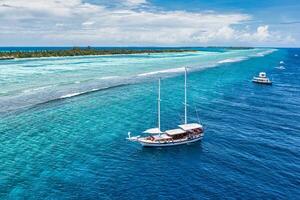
<point>264,53</point>
<point>166,71</point>
<point>35,89</point>
<point>108,77</point>
<point>71,95</point>
<point>231,60</point>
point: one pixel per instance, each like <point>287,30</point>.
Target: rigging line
<point>181,118</point>
<point>197,115</point>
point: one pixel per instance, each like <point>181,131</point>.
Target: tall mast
<point>158,105</point>
<point>185,96</point>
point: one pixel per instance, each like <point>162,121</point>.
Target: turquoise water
<point>27,82</point>
<point>55,147</point>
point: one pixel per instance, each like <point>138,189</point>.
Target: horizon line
<point>154,46</point>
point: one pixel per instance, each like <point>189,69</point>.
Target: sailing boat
<point>184,134</point>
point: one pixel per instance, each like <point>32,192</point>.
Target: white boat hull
<point>262,82</point>
<point>166,144</point>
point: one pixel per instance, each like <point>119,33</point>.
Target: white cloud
<point>262,33</point>
<point>74,22</point>
<point>22,9</point>
<point>135,2</point>
<point>88,23</point>
<point>59,24</point>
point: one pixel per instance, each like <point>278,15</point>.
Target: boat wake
<point>280,67</point>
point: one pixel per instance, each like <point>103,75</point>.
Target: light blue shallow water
<point>75,148</point>
<point>27,82</point>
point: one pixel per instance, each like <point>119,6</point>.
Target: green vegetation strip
<point>82,52</point>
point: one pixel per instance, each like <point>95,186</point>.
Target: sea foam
<point>166,71</point>
<point>231,60</point>
<point>71,95</point>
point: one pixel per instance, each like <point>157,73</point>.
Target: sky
<point>266,23</point>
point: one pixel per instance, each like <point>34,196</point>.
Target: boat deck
<point>167,140</point>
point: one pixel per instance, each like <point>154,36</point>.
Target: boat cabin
<point>176,133</point>
<point>262,75</point>
<point>159,138</point>
<point>185,130</point>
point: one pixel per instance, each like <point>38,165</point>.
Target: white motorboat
<point>183,134</point>
<point>262,79</point>
<point>281,65</point>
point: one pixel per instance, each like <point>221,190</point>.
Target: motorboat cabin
<point>262,79</point>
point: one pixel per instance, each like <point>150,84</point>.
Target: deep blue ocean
<point>63,124</point>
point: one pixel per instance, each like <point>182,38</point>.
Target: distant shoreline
<point>88,51</point>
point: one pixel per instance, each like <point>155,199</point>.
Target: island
<point>84,51</point>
